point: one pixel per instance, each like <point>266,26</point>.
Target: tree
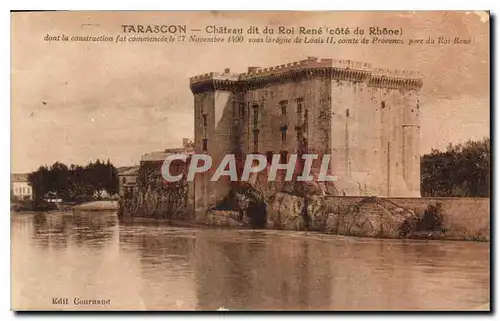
<point>460,170</point>
<point>112,182</point>
<point>39,182</point>
<point>74,183</point>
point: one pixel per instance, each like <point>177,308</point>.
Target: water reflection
<point>153,266</point>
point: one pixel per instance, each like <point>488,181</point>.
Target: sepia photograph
<point>250,161</point>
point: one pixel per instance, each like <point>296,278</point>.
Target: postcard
<point>250,161</point>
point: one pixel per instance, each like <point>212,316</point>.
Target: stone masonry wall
<point>464,218</point>
<point>155,198</point>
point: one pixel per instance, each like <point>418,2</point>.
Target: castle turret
<point>213,109</point>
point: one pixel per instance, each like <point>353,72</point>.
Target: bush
<point>430,221</point>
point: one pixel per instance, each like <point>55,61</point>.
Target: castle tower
<point>366,119</point>
<point>213,109</point>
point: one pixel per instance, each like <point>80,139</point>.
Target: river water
<point>148,265</point>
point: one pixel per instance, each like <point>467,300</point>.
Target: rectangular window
<point>382,105</point>
<point>300,108</point>
<point>205,144</point>
<point>300,105</point>
<point>283,135</point>
<point>283,106</point>
<point>242,110</point>
<point>256,141</point>
<point>299,134</point>
<point>205,121</point>
<point>255,115</point>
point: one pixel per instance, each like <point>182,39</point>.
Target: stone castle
<point>367,119</point>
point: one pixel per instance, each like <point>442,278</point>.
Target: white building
<point>20,187</point>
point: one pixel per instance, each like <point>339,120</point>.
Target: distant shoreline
<point>44,207</point>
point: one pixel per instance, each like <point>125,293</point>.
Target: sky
<point>76,102</point>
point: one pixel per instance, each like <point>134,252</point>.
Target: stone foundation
<point>248,207</point>
<point>463,218</point>
<point>154,197</point>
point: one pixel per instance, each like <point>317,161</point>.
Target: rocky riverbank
<point>349,216</point>
<point>301,207</point>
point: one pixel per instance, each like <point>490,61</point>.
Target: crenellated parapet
<point>307,69</point>
<point>394,78</point>
<point>395,83</point>
<point>215,76</point>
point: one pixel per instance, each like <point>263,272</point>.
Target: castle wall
<point>399,159</point>
<point>154,197</point>
<point>354,138</point>
<point>463,218</point>
<point>375,140</point>
<point>366,119</point>
<point>271,120</point>
<point>213,128</point>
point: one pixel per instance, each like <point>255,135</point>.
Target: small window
<point>242,110</point>
<point>255,141</point>
<point>255,115</point>
<point>283,105</point>
<point>205,121</point>
<point>283,134</point>
<point>300,105</point>
<point>299,134</point>
<point>205,144</point>
<point>347,112</point>
<point>382,105</point>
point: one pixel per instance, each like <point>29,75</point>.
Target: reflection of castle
<point>366,118</point>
